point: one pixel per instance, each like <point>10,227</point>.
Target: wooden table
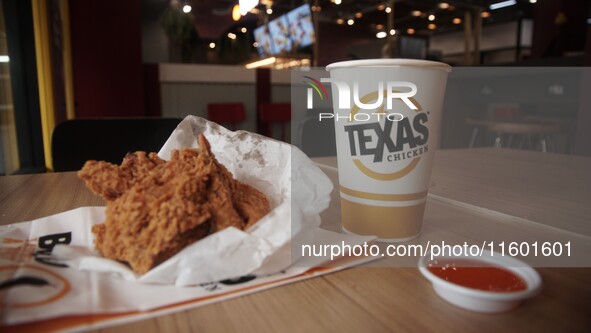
<point>545,189</point>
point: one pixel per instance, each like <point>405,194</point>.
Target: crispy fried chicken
<point>155,208</point>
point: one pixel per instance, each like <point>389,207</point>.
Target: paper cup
<point>387,115</point>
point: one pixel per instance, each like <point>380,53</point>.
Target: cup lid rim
<point>389,63</point>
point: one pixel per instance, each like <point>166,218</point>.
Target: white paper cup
<point>387,116</point>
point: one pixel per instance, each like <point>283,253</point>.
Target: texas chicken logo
<point>379,129</point>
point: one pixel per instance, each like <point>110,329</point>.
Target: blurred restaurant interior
<point>120,61</point>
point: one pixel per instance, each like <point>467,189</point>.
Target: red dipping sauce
<point>477,275</point>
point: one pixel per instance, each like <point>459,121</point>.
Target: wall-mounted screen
<point>301,27</point>
<point>287,33</point>
<point>279,29</point>
<point>263,38</point>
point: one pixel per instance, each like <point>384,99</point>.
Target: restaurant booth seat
<point>273,113</point>
<point>106,139</point>
<point>226,113</point>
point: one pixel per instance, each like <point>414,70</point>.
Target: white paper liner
<point>263,163</point>
<point>298,192</point>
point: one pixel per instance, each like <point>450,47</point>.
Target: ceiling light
<point>316,8</point>
<point>231,35</point>
<point>456,20</point>
<point>381,34</point>
<point>502,4</point>
<point>443,5</point>
<point>388,10</point>
<point>358,15</point>
<point>381,7</point>
<point>259,63</point>
<point>337,2</point>
<point>186,9</point>
<point>236,13</point>
<point>243,30</point>
<point>255,44</point>
<point>212,45</point>
<point>410,31</point>
<point>392,32</point>
<point>269,11</point>
<point>485,14</point>
<point>431,26</point>
<point>416,13</point>
<point>4,58</point>
<point>533,1</point>
<point>431,17</point>
<point>247,5</point>
<point>350,21</point>
<point>340,21</point>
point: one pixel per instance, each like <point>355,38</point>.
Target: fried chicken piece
<point>250,204</point>
<point>110,181</point>
<point>156,208</point>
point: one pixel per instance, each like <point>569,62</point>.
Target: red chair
<point>271,113</point>
<point>226,113</point>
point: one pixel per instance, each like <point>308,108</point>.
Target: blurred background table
<point>546,189</point>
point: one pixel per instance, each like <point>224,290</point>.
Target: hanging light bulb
<point>236,13</point>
